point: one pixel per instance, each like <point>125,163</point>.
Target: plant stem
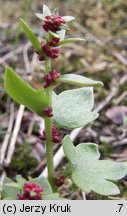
<point>47,65</point>
<point>48,132</point>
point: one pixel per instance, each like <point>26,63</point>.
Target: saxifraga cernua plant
<point>69,109</point>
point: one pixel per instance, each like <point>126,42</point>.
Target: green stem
<point>47,65</point>
<point>48,132</point>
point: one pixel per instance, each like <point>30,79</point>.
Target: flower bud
<point>28,190</point>
<point>59,181</point>
<point>53,23</point>
<point>48,112</point>
<point>54,42</point>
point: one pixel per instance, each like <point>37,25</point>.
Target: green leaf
<point>91,174</point>
<point>70,40</point>
<point>52,196</point>
<point>20,180</point>
<point>22,93</point>
<point>41,181</point>
<point>9,192</point>
<point>56,11</point>
<point>79,80</point>
<point>64,26</point>
<point>54,34</point>
<point>61,34</point>
<point>31,36</point>
<point>68,18</point>
<point>72,108</point>
<point>40,16</point>
<point>46,11</point>
<point>14,185</point>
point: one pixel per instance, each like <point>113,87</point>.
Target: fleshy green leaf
<point>22,93</point>
<point>31,36</point>
<point>68,18</point>
<point>70,40</point>
<point>72,108</point>
<point>91,174</point>
<point>46,11</point>
<point>44,184</point>
<point>79,80</point>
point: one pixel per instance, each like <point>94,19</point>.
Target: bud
<point>50,78</point>
<point>53,23</point>
<point>41,58</point>
<point>57,138</point>
<point>54,42</point>
<point>42,137</point>
<point>48,112</point>
<point>31,191</point>
<point>59,181</point>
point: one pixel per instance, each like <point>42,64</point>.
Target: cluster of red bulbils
<point>53,23</point>
<point>56,137</point>
<point>51,78</point>
<point>49,49</point>
<point>31,191</point>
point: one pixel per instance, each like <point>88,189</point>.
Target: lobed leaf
<point>31,36</point>
<point>73,108</point>
<point>22,93</point>
<point>91,174</point>
<point>79,80</point>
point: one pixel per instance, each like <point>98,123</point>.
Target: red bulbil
<point>50,78</point>
<point>55,52</point>
<point>54,74</point>
<point>52,53</point>
<point>53,23</point>
<point>28,189</point>
<point>59,181</point>
<point>56,137</point>
<point>53,42</point>
<point>42,137</point>
<point>48,112</point>
<point>54,129</point>
<point>41,58</point>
